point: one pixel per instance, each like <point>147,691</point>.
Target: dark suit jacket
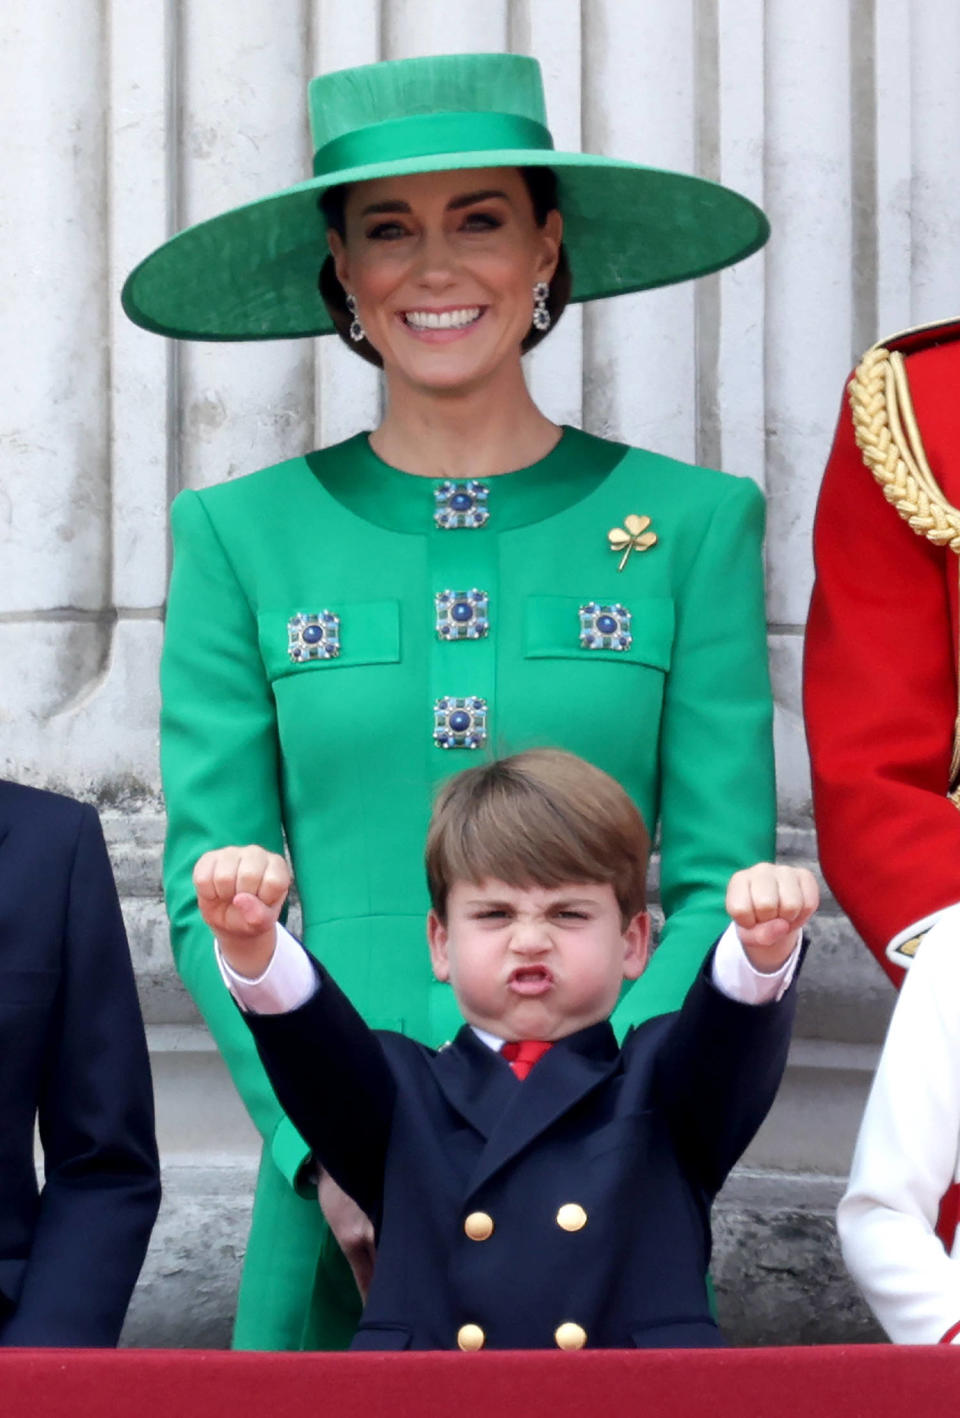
<point>641,1137</point>
<point>73,1056</point>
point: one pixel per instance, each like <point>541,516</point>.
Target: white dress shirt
<point>907,1154</point>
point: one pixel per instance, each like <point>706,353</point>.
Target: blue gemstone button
<point>313,636</point>
<point>462,615</point>
<point>460,723</point>
<point>461,504</point>
<point>605,627</point>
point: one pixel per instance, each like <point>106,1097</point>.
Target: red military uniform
<point>881,667</point>
<point>881,652</point>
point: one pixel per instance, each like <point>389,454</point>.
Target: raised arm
<point>718,808</point>
<point>720,1067</point>
<point>326,1065</point>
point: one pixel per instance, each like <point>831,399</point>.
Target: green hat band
<point>425,135</point>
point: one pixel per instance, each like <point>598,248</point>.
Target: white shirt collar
<point>491,1040</point>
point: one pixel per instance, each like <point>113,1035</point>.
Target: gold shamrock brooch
<point>632,536</point>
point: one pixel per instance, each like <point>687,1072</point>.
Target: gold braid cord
<point>889,439</point>
<point>888,436</point>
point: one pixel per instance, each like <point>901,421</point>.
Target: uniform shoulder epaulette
<point>922,337</point>
<point>889,437</point>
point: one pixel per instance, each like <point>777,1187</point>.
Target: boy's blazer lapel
<point>475,1080</point>
<point>508,1113</point>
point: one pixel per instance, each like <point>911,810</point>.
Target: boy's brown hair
<point>543,817</point>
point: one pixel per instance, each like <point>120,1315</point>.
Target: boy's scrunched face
<point>536,962</point>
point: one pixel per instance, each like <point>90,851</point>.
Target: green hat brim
<point>251,273</point>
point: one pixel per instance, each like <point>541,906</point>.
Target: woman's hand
<point>240,892</point>
<point>770,905</point>
<point>351,1228</point>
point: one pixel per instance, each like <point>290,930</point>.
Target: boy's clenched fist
<point>240,892</point>
<point>770,905</point>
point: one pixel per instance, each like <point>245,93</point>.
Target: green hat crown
<point>251,273</point>
<point>421,107</point>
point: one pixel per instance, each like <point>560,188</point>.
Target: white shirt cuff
<point>287,983</point>
<point>735,977</point>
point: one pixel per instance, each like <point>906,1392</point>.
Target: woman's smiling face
<point>442,266</point>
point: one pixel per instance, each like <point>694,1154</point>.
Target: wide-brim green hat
<point>251,273</point>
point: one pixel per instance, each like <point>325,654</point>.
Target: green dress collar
<point>353,474</point>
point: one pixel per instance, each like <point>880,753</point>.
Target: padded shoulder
<point>21,804</point>
<point>924,337</point>
<point>688,482</point>
<point>249,492</point>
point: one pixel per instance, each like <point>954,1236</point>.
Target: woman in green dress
<point>345,627</point>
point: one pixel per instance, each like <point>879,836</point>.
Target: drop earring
<point>357,332</point>
<point>541,315</point>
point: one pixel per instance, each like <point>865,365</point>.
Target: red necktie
<point>522,1057</point>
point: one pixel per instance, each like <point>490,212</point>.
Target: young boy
<point>520,1203</point>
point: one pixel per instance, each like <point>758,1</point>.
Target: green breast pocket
<point>339,635</point>
<point>635,632</point>
<point>594,682</point>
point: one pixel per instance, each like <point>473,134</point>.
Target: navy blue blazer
<point>635,1141</point>
<point>72,1056</point>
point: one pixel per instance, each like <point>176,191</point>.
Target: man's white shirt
<point>908,1154</point>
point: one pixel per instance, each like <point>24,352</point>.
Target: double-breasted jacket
<point>571,1209</point>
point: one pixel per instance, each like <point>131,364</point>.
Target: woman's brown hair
<point>544,818</point>
<point>541,183</point>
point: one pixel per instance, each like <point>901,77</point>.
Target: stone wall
<point>126,119</point>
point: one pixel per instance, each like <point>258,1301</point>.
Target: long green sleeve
<point>717,791</point>
<point>220,764</point>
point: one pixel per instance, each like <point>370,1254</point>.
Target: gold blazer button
<point>570,1335</point>
<point>478,1226</point>
<point>471,1337</point>
<point>571,1217</point>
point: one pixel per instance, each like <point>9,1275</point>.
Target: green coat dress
<point>333,623</point>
